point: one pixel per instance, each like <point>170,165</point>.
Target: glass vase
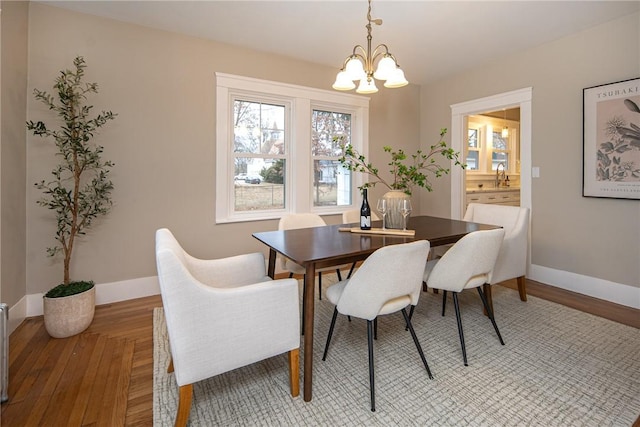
<point>394,217</point>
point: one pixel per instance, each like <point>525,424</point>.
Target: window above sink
<point>487,145</point>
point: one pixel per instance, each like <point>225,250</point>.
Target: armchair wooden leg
<point>170,367</point>
<point>184,405</point>
<point>294,372</point>
<point>522,288</point>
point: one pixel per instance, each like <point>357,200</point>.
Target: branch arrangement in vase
<point>407,171</point>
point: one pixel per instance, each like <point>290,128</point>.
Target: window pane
<point>328,131</point>
<point>473,138</point>
<point>499,157</point>
<point>499,143</point>
<point>331,184</point>
<point>258,128</point>
<point>472,160</point>
<point>259,184</point>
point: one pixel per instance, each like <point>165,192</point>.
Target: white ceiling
<point>430,39</point>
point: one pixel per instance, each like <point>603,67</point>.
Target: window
<point>259,155</point>
<point>500,150</point>
<point>473,151</point>
<point>487,148</point>
<point>278,149</point>
<point>331,182</point>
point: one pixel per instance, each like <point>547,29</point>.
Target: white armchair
<point>512,258</point>
<point>223,314</point>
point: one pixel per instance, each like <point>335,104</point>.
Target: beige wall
<point>162,86</point>
<point>13,150</point>
<point>593,237</point>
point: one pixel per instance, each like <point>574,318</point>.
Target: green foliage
<point>407,171</point>
<point>66,290</point>
<point>80,190</point>
<point>275,173</point>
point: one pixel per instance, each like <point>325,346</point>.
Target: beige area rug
<point>559,367</point>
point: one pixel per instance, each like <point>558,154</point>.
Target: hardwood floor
<point>104,376</point>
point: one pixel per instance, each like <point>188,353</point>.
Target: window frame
<point>299,161</point>
<point>486,126</point>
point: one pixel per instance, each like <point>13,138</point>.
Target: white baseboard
<point>17,314</point>
<point>31,305</point>
<point>106,293</point>
<point>592,286</point>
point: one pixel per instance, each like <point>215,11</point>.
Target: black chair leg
<point>490,313</point>
<point>371,371</point>
<point>406,327</point>
<point>333,323</point>
<point>339,274</point>
<point>459,320</point>
<point>353,266</point>
<point>375,328</point>
<point>320,285</point>
<point>415,340</point>
<point>444,301</point>
<point>290,275</point>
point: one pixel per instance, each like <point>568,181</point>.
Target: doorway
<point>520,99</point>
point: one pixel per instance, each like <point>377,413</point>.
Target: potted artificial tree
<point>78,193</point>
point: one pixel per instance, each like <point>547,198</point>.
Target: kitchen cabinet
<point>498,196</point>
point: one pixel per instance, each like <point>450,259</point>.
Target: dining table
<point>332,245</point>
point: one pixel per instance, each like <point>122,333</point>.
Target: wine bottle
<point>365,212</point>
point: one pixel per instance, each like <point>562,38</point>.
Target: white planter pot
<point>393,216</point>
<point>67,316</point>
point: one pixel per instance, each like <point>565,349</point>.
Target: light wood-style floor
<point>104,376</point>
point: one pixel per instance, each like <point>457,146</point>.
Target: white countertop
<point>491,189</point>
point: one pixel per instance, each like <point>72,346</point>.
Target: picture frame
<point>611,140</point>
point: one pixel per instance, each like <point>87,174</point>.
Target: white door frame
<point>517,98</point>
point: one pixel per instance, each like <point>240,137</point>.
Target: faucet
<point>499,178</point>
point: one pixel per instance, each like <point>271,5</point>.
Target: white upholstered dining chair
<point>512,258</point>
<point>304,220</point>
<point>467,264</point>
<point>388,281</point>
<point>353,216</point>
<point>223,314</point>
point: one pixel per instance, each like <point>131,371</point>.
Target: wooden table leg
<point>309,301</point>
<point>271,270</point>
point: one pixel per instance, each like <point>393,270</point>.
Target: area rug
<point>559,367</point>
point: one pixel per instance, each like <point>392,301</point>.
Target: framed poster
<point>611,140</point>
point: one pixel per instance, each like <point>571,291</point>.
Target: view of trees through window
<point>331,182</point>
<point>259,155</point>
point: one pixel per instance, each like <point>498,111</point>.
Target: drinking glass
<point>382,208</point>
<point>405,210</point>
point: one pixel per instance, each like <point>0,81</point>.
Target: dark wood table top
<point>325,245</point>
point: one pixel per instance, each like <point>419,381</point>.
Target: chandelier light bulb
<point>343,82</point>
<point>386,67</point>
<point>396,79</point>
<point>355,69</point>
<point>367,85</point>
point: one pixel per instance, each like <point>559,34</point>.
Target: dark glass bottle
<point>365,212</point>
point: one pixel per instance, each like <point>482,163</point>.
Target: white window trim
<point>299,165</point>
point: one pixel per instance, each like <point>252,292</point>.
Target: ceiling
<point>430,39</point>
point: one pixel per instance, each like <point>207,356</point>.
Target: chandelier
<point>360,66</point>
